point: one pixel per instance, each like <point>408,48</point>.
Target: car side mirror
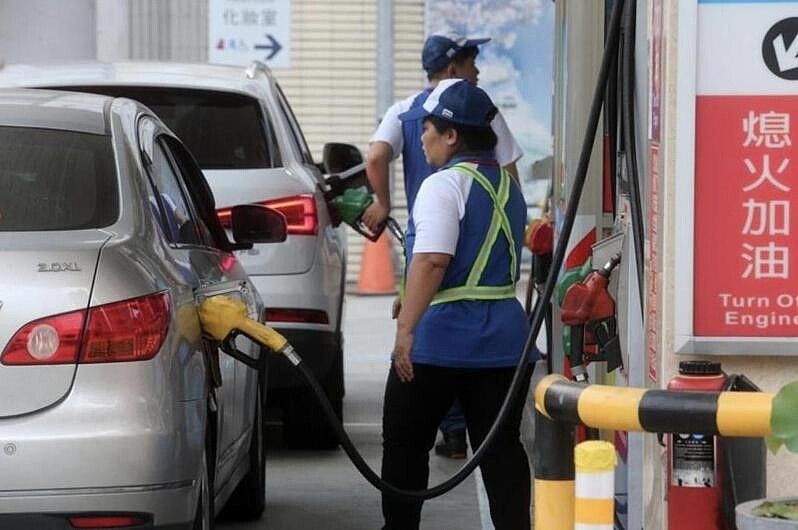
<point>337,157</point>
<point>344,166</point>
<point>253,223</point>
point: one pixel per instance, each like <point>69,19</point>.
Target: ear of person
<point>451,137</point>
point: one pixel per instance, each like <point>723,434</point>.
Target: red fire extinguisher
<point>694,470</point>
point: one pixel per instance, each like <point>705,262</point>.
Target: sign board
<point>242,31</point>
<point>745,256</point>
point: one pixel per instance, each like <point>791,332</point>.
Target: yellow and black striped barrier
<point>561,404</point>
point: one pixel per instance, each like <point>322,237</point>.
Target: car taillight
<point>225,216</point>
<point>106,521</point>
<point>131,330</point>
<point>285,314</point>
<point>300,212</point>
<point>51,340</point>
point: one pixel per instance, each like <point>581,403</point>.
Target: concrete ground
<point>321,489</point>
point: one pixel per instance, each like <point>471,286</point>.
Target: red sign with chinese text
<point>746,245</point>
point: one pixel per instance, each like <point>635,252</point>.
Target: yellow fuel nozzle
<point>221,315</point>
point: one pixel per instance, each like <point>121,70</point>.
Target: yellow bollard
<point>554,473</point>
<point>594,495</point>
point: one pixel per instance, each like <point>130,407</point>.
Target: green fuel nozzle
<point>351,203</point>
<point>349,197</point>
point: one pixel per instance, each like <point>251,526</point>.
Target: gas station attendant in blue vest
<point>460,329</point>
<point>444,56</point>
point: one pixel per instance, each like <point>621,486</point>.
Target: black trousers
<point>411,415</point>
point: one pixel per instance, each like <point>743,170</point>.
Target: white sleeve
<point>439,207</point>
<point>390,128</point>
<point>507,148</point>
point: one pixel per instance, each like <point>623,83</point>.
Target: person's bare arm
<point>423,281</point>
<point>378,159</point>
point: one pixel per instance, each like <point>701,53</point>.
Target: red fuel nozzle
<point>539,237</point>
<point>588,306</point>
<point>589,300</point>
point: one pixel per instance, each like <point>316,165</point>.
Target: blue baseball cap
<point>440,49</point>
<point>457,101</point>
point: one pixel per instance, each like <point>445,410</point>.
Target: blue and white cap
<point>440,49</point>
<point>457,101</point>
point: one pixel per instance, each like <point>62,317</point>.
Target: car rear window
<point>221,129</point>
<point>56,180</point>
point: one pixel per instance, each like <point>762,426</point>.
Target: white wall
<point>46,30</point>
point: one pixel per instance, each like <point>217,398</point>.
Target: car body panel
<point>171,504</point>
<point>116,435</point>
<point>289,291</point>
<point>57,274</point>
<point>295,255</point>
<point>53,110</point>
<point>185,75</point>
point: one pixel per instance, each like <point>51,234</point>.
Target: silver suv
<point>240,127</point>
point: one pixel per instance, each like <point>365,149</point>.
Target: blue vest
<point>477,333</point>
<point>416,168</point>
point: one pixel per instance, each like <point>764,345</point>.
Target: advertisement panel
<point>515,69</point>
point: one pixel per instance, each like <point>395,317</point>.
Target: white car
<point>239,126</point>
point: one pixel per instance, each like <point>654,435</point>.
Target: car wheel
<point>204,515</point>
<point>249,498</point>
<point>305,425</point>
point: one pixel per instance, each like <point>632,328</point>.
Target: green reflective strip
<point>480,292</point>
<point>499,222</point>
<point>504,195</point>
<point>493,230</point>
<point>499,203</point>
<point>484,252</point>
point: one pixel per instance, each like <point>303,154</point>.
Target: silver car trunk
<point>41,274</point>
<point>243,186</point>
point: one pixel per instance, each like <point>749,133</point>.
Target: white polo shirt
<point>390,132</point>
<point>440,206</point>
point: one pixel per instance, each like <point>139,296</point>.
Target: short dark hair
<point>461,56</point>
<point>472,139</point>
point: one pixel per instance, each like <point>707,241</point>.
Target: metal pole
<point>385,64</point>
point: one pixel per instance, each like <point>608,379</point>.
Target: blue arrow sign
<point>273,45</point>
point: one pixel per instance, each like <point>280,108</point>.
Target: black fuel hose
<point>630,141</point>
<point>538,314</point>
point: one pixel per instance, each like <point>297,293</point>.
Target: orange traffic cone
<point>376,268</point>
